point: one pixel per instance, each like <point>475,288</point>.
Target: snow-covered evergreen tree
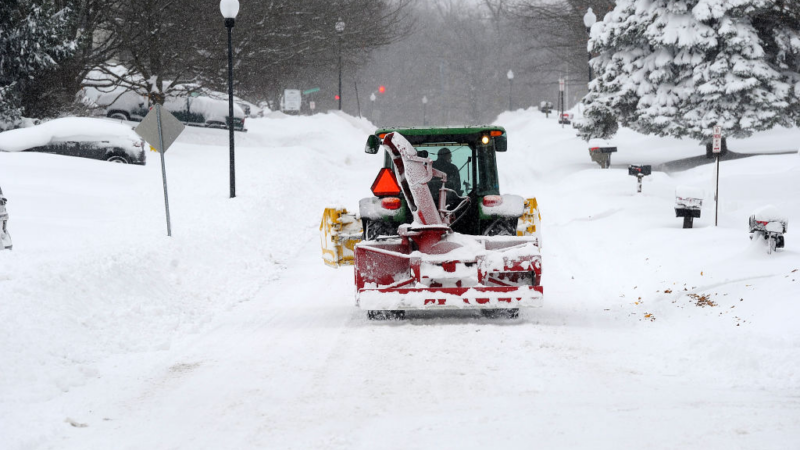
<point>31,40</point>
<point>679,67</point>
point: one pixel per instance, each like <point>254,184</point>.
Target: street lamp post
<point>510,75</point>
<point>588,20</point>
<point>229,9</point>
<point>339,31</point>
<point>424,110</point>
<point>372,105</point>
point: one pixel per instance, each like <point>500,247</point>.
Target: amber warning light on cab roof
<point>385,184</point>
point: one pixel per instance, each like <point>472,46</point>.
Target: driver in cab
<point>444,163</point>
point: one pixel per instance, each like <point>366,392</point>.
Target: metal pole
<point>340,72</point>
<point>229,24</point>
<point>358,101</point>
<point>424,114</point>
<point>566,88</point>
<point>510,103</point>
<point>589,32</point>
<point>163,167</point>
<point>716,196</point>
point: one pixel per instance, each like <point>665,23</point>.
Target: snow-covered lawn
<point>233,334</point>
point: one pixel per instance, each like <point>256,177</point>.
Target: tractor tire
<point>377,314</point>
<point>501,227</point>
<point>376,228</point>
<point>512,313</point>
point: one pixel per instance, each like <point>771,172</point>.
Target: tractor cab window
<point>460,158</point>
<point>486,171</point>
<point>456,162</point>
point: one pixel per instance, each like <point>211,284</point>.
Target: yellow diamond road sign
<point>171,128</point>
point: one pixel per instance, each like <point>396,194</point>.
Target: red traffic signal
<point>382,89</point>
<point>336,97</point>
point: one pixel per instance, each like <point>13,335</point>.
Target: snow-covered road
<point>233,334</point>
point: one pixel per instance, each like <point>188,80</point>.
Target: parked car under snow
<point>5,236</point>
<point>201,111</point>
<point>85,137</point>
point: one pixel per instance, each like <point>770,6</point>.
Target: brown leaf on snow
<point>668,291</point>
<point>702,300</point>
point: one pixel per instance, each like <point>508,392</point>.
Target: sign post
<point>561,105</point>
<point>717,149</point>
<point>162,128</point>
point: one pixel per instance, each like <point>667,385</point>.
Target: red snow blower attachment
<point>428,266</point>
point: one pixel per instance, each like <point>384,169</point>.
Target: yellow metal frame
<point>530,222</point>
<point>339,233</point>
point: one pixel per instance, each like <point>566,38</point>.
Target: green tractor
<point>473,201</point>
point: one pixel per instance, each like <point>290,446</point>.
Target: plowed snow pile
<point>233,334</point>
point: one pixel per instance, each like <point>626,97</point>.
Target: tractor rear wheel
<point>379,314</point>
<point>375,228</point>
<point>511,313</point>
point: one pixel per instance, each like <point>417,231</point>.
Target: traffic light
<point>336,97</point>
<point>382,89</point>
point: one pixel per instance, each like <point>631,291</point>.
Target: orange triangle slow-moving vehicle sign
<point>385,184</point>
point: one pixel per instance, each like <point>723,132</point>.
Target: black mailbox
<point>639,171</point>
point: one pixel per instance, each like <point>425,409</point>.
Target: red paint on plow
<point>449,266</point>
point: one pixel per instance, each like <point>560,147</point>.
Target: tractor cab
<point>469,154</point>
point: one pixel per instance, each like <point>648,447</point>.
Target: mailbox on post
<point>639,172</point>
<point>600,151</point>
<point>688,203</point>
<point>546,108</point>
